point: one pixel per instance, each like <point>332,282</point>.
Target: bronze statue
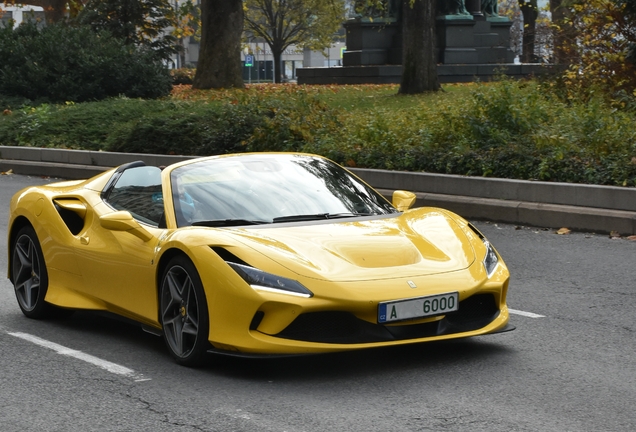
<point>452,7</point>
<point>490,8</point>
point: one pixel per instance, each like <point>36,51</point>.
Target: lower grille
<point>343,327</point>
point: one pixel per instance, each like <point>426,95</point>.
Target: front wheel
<point>184,312</point>
<point>29,275</point>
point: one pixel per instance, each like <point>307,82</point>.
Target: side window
<point>6,19</point>
<point>138,190</point>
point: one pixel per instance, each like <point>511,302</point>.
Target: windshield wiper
<point>228,222</point>
<point>317,216</point>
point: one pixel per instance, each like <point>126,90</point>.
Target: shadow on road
<point>381,362</point>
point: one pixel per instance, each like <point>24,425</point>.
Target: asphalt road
<point>571,369</point>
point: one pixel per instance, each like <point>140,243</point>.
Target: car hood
<point>416,243</point>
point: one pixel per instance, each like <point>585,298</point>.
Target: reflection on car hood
<point>417,243</point>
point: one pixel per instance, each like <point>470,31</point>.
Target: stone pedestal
<point>469,47</point>
<point>474,41</point>
<point>460,40</point>
<point>455,40</point>
<point>372,42</point>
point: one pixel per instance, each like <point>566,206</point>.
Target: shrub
<point>133,126</point>
<point>13,102</point>
<point>60,63</point>
<point>291,120</point>
<point>185,128</point>
<point>504,129</point>
<point>183,76</point>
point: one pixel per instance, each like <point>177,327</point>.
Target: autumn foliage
<point>603,47</point>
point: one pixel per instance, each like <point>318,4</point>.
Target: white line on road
<point>60,349</point>
<point>525,314</point>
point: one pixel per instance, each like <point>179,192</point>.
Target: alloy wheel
<point>180,312</point>
<point>27,273</point>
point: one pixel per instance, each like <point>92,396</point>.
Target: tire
<point>183,312</point>
<point>29,276</point>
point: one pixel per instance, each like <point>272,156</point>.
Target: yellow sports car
<point>254,254</point>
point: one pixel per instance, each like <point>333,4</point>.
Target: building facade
<point>258,60</point>
<point>18,14</point>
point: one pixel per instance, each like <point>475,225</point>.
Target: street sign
<point>249,60</point>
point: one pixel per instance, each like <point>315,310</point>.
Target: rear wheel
<point>29,275</point>
<point>184,312</point>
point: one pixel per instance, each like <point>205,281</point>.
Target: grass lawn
<point>344,97</point>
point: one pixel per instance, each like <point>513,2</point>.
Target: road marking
<point>60,349</point>
<point>525,314</point>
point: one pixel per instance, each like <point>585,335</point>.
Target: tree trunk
<point>564,34</point>
<point>56,11</point>
<point>530,13</point>
<point>182,54</point>
<point>277,54</point>
<point>419,62</point>
<point>219,64</point>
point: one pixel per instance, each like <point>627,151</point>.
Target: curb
<point>575,206</point>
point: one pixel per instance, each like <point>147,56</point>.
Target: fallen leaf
<point>563,231</point>
<point>9,172</point>
<point>615,235</point>
<point>632,238</point>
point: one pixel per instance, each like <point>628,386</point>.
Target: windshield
<point>257,189</point>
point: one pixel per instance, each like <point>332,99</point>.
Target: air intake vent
<point>72,211</point>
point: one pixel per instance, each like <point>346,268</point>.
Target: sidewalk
<point>555,205</point>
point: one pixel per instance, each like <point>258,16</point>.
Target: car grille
<point>344,328</point>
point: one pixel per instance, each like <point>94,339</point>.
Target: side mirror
<point>403,200</point>
<point>123,221</point>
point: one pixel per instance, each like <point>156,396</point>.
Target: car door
<point>118,264</point>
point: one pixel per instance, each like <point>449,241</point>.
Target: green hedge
<point>505,129</point>
<point>253,123</point>
<point>60,63</point>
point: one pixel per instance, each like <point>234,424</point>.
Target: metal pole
<point>273,68</point>
<point>265,60</point>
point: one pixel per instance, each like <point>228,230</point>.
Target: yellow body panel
<point>114,263</point>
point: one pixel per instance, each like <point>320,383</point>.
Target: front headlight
<point>491,259</point>
<point>262,281</point>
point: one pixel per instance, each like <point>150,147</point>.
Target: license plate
<point>398,310</point>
